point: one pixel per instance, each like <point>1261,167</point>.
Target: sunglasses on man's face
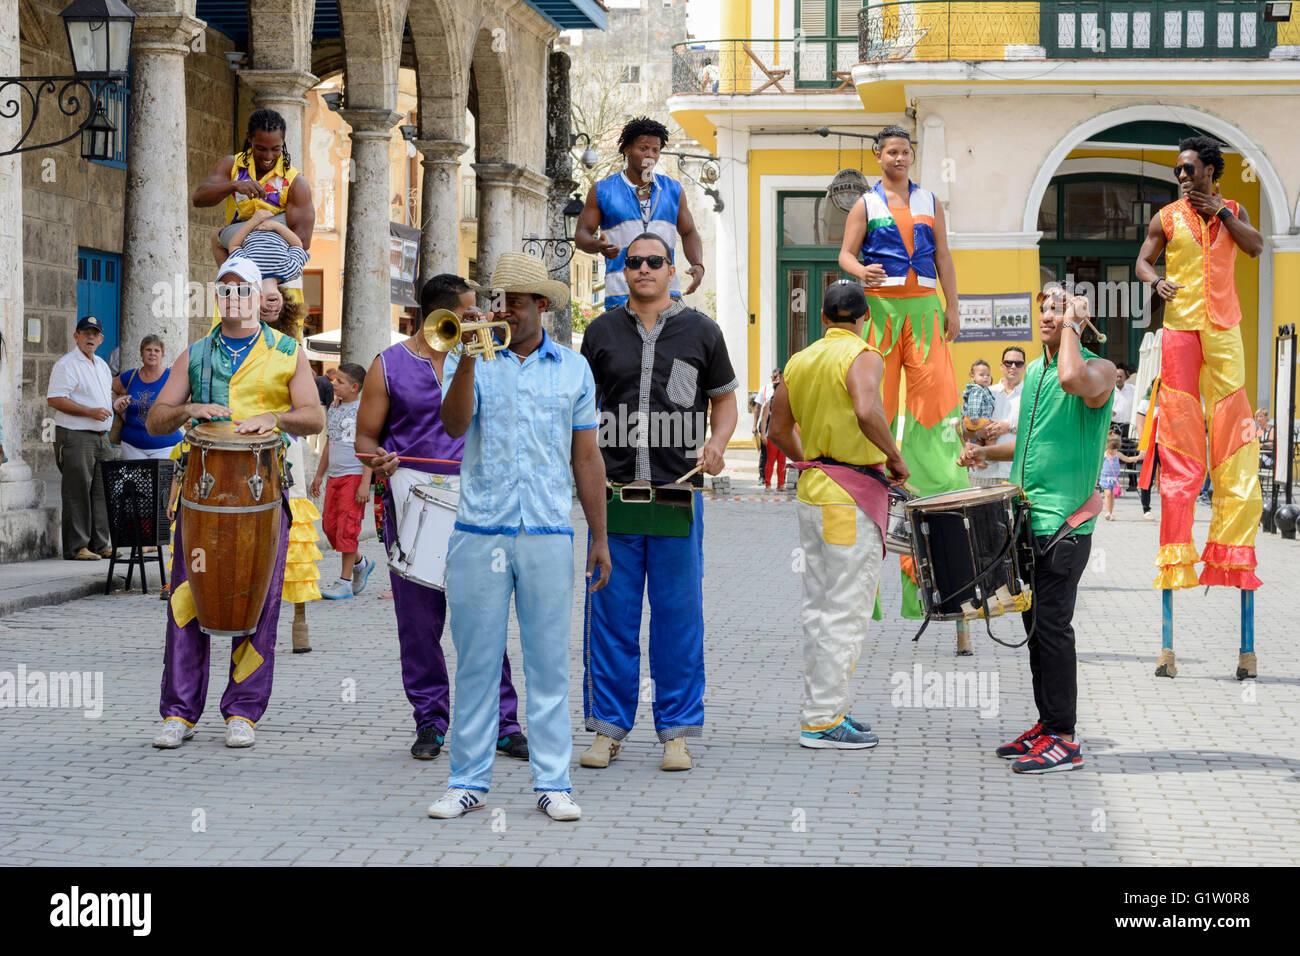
<point>226,291</point>
<point>1012,363</point>
<point>654,262</point>
<point>1187,167</point>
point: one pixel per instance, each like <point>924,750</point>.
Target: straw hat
<point>520,272</point>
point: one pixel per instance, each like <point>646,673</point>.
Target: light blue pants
<point>482,572</point>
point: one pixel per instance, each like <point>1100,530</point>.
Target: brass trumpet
<point>443,330</point>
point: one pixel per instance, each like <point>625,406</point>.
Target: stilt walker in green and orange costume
<point>896,243</point>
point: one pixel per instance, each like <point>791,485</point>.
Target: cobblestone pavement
<point>1197,770</point>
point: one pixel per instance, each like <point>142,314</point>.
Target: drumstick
<point>427,461</point>
<point>697,468</point>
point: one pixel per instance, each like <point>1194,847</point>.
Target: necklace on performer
<point>234,352</point>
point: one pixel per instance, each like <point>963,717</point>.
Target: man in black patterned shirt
<point>661,371</point>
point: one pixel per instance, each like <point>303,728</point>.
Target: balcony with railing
<point>820,59</point>
<point>1073,30</point>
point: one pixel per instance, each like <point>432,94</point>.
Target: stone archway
<point>1272,193</point>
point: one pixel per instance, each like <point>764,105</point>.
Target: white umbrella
<point>1148,371</point>
<point>326,347</point>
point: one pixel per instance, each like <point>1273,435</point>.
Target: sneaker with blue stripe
<point>1049,754</point>
<point>456,802</point>
<point>558,805</point>
<point>843,736</point>
<point>361,574</point>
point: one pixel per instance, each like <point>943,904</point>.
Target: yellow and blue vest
<point>884,244</point>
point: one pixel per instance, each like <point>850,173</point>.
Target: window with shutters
<point>827,40</point>
<point>1156,29</point>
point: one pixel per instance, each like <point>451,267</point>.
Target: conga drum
<point>230,522</point>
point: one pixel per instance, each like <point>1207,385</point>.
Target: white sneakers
<point>458,801</point>
<point>559,805</point>
<point>239,733</point>
<point>174,732</point>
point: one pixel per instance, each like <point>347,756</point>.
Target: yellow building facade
<point>1047,131</point>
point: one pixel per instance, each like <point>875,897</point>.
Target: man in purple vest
<point>400,418</point>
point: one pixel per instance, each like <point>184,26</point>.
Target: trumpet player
<point>526,416</point>
<point>400,417</point>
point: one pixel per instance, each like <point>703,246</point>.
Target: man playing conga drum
<point>245,371</point>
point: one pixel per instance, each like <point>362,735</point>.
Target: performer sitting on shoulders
<point>689,373</point>
<point>261,379</point>
<point>400,415</point>
<point>831,390</point>
<point>1060,439</point>
<point>528,417</point>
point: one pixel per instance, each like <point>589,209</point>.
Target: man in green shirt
<point>1060,440</point>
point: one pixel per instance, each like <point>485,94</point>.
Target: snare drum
<point>419,551</point>
<point>970,553</point>
<point>230,513</point>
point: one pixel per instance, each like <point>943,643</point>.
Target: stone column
<point>155,253</point>
<point>496,188</point>
<point>367,310</point>
<point>559,167</point>
<point>282,91</point>
<point>27,530</point>
<point>439,207</point>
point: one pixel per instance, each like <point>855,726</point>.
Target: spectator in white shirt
<point>1122,410</point>
<point>81,395</point>
<point>1006,412</point>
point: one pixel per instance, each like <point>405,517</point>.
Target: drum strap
<point>205,378</point>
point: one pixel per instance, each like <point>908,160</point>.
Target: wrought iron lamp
<point>99,39</point>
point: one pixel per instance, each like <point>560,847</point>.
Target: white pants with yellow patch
<point>842,554</point>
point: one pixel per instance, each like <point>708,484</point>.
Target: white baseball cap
<point>242,266</point>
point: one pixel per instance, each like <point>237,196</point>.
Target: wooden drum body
<point>230,522</point>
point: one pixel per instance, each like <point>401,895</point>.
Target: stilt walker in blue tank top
<point>637,200</point>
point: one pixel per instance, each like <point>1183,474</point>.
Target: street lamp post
<point>99,39</point>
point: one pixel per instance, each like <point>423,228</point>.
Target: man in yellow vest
<point>831,390</point>
<point>245,371</point>
<point>261,176</point>
<point>1201,347</point>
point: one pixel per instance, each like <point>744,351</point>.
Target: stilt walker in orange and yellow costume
<point>1203,360</point>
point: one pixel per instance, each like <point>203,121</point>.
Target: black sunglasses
<point>1013,364</point>
<point>1191,170</point>
<point>654,262</point>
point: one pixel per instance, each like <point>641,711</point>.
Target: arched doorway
<point>1093,224</point>
<point>1142,140</point>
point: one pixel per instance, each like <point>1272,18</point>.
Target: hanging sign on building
<point>403,257</point>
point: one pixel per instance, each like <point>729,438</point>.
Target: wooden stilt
<point>1165,666</point>
<point>1246,664</point>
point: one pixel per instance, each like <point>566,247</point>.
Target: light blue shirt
<point>516,471</point>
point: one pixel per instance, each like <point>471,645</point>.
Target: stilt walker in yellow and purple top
<point>1202,358</point>
<point>896,244</point>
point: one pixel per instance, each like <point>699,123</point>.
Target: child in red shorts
<point>347,483</point>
